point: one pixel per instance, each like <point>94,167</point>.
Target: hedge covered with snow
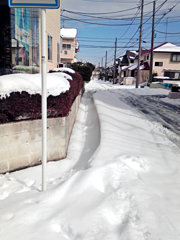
<point>20,95</point>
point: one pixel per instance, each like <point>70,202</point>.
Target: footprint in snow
<point>134,162</point>
<point>4,195</point>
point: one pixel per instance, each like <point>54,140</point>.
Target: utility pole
<point>102,62</point>
<point>140,40</point>
<point>114,72</point>
<point>106,67</point>
<point>152,43</point>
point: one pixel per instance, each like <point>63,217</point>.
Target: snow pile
<point>57,83</point>
<point>63,69</point>
<point>119,181</point>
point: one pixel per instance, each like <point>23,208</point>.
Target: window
<point>132,61</point>
<point>172,75</point>
<point>24,39</point>
<point>49,47</point>
<point>148,57</point>
<point>176,75</point>
<point>67,46</point>
<point>158,64</point>
<point>65,52</point>
<point>175,57</point>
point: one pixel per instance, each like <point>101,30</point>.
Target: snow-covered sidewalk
<point>119,181</point>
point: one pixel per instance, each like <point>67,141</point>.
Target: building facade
<point>166,60</point>
<point>20,39</point>
<point>69,46</point>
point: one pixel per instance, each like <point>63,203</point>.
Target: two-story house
<point>128,65</point>
<point>69,46</point>
<point>166,60</point>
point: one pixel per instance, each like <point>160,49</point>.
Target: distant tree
<point>85,69</point>
<point>90,65</point>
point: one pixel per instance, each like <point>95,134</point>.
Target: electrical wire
<point>168,32</point>
<point>104,13</point>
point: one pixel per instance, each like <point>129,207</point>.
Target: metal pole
<point>152,43</point>
<point>114,73</point>
<point>140,40</point>
<point>44,97</point>
<point>106,67</point>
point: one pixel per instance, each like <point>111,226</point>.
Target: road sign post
<point>44,97</point>
<point>43,4</point>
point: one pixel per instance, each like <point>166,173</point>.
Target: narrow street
<point>157,110</point>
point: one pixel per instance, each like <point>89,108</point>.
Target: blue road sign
<point>48,4</point>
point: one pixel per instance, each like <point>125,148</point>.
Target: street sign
<point>47,4</point>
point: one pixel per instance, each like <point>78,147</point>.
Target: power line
<point>158,8</point>
<point>100,46</point>
<point>127,38</point>
<point>102,13</point>
<point>168,32</point>
<point>102,24</point>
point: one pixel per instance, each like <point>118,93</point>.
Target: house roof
<point>144,66</point>
<point>164,47</point>
<point>131,54</point>
<point>69,33</point>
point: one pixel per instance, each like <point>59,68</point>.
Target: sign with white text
<point>48,4</point>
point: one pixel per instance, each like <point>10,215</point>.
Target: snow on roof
<point>168,47</point>
<point>164,47</point>
<point>124,67</point>
<point>57,83</point>
<point>132,67</point>
<point>63,69</point>
<point>136,53</point>
<point>161,77</point>
<point>68,32</point>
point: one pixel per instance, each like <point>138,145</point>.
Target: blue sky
<point>104,36</point>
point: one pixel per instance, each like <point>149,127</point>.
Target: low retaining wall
<point>20,142</point>
<point>129,80</point>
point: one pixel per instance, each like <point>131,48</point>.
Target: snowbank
<point>57,83</point>
<point>126,190</point>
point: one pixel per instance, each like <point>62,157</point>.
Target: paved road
<point>157,110</point>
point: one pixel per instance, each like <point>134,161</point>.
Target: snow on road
<point>120,179</point>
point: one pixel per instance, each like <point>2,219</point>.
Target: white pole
<point>44,97</point>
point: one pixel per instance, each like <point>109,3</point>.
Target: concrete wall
<point>20,142</point>
<point>129,80</point>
